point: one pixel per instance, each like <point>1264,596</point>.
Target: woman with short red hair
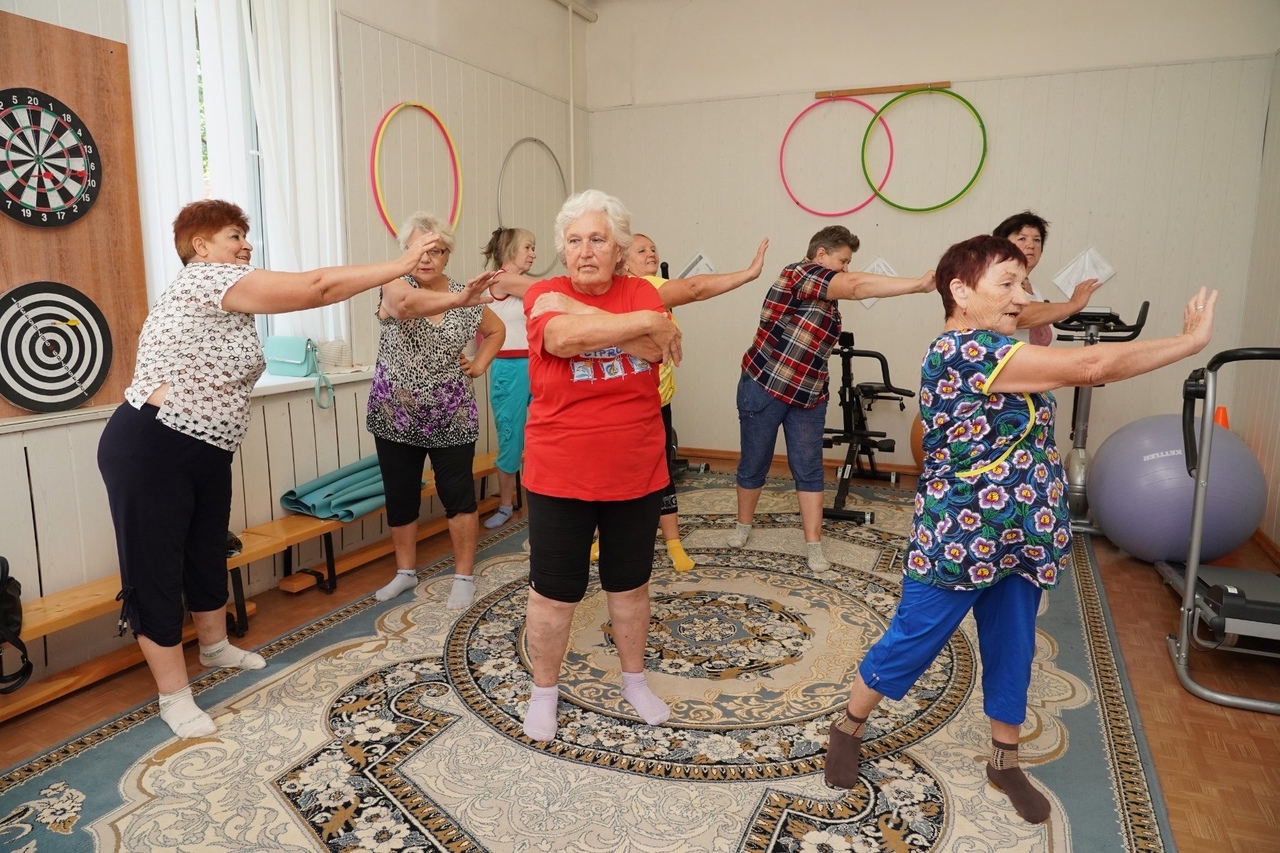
<point>166,453</point>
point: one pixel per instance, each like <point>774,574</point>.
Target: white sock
<point>818,561</point>
<point>404,579</point>
<point>540,719</point>
<point>500,517</point>
<point>222,653</point>
<point>463,592</point>
<point>740,534</point>
<point>183,716</point>
<point>636,690</point>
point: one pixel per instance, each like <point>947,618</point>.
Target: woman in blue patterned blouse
<point>991,529</point>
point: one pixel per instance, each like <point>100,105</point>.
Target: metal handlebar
<point>1194,388</point>
<point>846,350</point>
<point>1101,324</point>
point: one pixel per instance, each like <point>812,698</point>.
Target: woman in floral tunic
<point>991,529</point>
<point>421,404</point>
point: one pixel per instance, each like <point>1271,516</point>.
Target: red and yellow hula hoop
<point>375,157</point>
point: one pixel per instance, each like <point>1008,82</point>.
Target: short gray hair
<point>423,221</point>
<point>589,201</point>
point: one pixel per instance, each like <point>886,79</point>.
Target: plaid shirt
<point>798,328</point>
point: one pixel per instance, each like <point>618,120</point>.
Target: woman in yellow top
<point>642,261</point>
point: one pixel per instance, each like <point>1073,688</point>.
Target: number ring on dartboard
<point>50,171</point>
<point>55,347</point>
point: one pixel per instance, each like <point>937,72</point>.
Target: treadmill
<point>1240,608</point>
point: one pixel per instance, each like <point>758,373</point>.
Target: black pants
<point>669,505</point>
<point>560,534</point>
<point>170,498</point>
<point>401,466</point>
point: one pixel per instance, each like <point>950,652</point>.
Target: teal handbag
<point>290,356</point>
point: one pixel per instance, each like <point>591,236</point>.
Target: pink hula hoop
<point>782,150</point>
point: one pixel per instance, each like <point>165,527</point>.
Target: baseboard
<point>1268,546</point>
<point>781,459</point>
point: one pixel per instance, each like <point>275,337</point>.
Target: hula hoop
<point>503,171</point>
<point>782,152</point>
<point>375,161</point>
<point>880,115</point>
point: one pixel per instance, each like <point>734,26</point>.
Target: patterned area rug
<point>396,727</point>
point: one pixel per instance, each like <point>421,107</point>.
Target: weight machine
<point>856,399</point>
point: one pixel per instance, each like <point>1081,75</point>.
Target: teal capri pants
<point>509,398</point>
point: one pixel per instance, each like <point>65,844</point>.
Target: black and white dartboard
<point>49,165</point>
<point>55,347</point>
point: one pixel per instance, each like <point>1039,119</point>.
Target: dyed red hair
<point>968,261</point>
<point>204,219</point>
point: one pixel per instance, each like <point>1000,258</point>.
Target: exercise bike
<point>1093,326</point>
<point>856,399</point>
<point>1239,607</point>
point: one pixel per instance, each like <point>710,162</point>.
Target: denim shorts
<point>759,416</point>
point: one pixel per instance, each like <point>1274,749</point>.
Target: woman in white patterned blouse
<point>166,453</point>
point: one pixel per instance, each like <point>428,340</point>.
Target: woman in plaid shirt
<point>784,375</point>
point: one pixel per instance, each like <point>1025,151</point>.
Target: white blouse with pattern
<point>211,358</point>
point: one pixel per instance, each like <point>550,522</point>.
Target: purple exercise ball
<point>1141,495</point>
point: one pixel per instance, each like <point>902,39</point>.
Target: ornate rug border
<point>1142,814</point>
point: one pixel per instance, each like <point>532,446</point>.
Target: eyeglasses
<point>437,253</point>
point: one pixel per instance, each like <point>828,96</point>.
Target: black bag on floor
<point>11,627</point>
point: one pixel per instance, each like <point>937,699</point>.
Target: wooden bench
<point>79,604</point>
<point>74,606</point>
<point>279,535</point>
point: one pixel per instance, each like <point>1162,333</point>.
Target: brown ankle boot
<point>844,747</point>
<point>1006,776</point>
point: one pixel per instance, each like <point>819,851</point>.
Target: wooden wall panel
<point>101,253</point>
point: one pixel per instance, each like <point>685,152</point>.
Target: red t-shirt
<point>595,425</point>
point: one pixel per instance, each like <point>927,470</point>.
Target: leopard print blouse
<point>419,394</point>
<point>212,358</point>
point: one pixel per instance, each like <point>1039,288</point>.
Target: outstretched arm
<point>1032,369</point>
<point>510,284</point>
<point>1045,313</point>
<point>402,301</point>
<point>865,285</point>
<point>266,292</point>
<point>682,291</point>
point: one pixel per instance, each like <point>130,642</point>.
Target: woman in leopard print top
<point>422,404</point>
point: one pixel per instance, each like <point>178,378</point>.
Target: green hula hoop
<point>866,137</point>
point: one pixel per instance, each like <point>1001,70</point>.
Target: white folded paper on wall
<point>879,266</point>
<point>1086,265</point>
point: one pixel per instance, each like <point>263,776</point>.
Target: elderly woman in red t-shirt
<point>594,454</point>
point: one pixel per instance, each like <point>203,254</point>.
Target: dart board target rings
<point>55,347</point>
<point>49,164</point>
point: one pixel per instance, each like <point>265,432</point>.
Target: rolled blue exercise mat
<point>344,494</point>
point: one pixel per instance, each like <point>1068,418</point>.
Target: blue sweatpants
<point>926,618</point>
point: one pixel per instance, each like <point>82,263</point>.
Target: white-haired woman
<point>422,404</point>
<point>594,452</point>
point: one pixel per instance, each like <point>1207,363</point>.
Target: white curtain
<point>279,57</point>
<point>293,80</point>
<point>166,126</point>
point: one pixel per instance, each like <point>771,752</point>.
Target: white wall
<point>663,51</point>
<point>1255,412</point>
<point>105,18</point>
<point>1156,167</point>
<point>486,114</point>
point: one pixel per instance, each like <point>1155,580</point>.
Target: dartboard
<point>55,347</point>
<point>49,166</point>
